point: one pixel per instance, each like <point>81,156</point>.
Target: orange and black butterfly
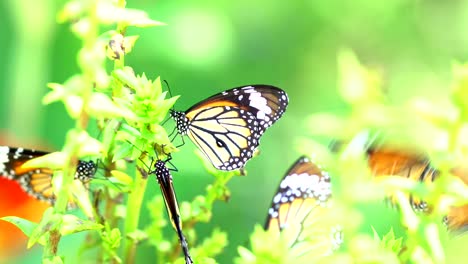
<point>386,161</point>
<point>227,126</point>
<point>300,210</point>
<point>164,178</point>
<point>37,182</point>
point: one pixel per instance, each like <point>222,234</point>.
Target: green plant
<point>128,109</point>
<point>423,124</point>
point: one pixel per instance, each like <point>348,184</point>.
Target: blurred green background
<point>209,46</point>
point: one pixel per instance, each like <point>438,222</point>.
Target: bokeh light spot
<point>202,37</point>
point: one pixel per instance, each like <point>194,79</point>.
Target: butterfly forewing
<point>227,126</point>
<point>300,211</point>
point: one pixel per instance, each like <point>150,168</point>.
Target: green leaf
<point>122,178</point>
<point>111,239</point>
<point>53,260</point>
<point>49,221</point>
<point>245,256</point>
<point>137,236</point>
<point>213,245</point>
<point>129,43</point>
<point>57,93</point>
<point>266,247</point>
<point>389,242</point>
<point>71,11</point>
<point>122,152</point>
<point>90,147</point>
<point>54,160</point>
<point>376,235</point>
<point>127,77</point>
<point>72,224</point>
<point>24,225</point>
<point>101,106</point>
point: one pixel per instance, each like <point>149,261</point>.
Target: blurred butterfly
<point>300,211</point>
<point>385,161</point>
<point>227,126</point>
<point>164,177</point>
<point>37,182</point>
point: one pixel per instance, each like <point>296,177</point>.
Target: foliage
<point>373,120</point>
<point>135,106</point>
<point>129,109</point>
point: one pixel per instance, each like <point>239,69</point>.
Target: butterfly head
<point>182,121</point>
<point>85,170</point>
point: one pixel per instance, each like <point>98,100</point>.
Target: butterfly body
<point>300,209</point>
<point>164,178</point>
<point>37,182</point>
<point>227,126</point>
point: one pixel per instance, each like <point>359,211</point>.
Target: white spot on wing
<point>3,158</point>
<point>259,102</point>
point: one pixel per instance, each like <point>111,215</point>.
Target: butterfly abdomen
<point>164,177</point>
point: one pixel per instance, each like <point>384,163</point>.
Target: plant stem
<point>135,199</point>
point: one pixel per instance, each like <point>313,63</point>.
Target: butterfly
<point>164,178</point>
<point>299,209</point>
<point>227,126</point>
<point>37,182</point>
<point>385,161</point>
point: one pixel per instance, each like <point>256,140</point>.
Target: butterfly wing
<point>384,162</point>
<point>36,181</point>
<point>167,189</point>
<point>267,103</point>
<point>299,212</point>
<point>227,126</point>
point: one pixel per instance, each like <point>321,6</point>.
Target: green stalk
<point>72,144</point>
<point>134,202</point>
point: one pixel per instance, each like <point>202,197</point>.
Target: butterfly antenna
<point>168,87</point>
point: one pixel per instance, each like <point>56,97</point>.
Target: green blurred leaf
<point>266,247</point>
<point>358,85</point>
<point>101,106</point>
<point>111,238</point>
<point>72,224</point>
<point>49,221</point>
<point>137,236</point>
<point>53,260</point>
<point>127,77</point>
<point>24,225</point>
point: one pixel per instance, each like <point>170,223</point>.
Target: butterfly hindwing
<point>299,211</point>
<point>227,126</point>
